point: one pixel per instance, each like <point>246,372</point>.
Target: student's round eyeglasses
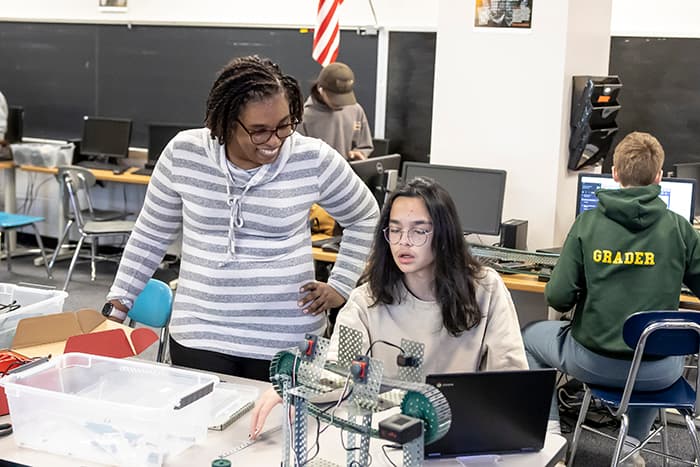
<point>263,136</point>
<point>415,236</point>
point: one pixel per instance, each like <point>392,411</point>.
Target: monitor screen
<point>371,171</point>
<point>477,193</point>
<point>160,134</point>
<point>678,194</point>
<point>691,171</point>
<point>105,137</point>
<point>15,124</point>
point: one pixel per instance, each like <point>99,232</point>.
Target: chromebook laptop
<point>495,412</point>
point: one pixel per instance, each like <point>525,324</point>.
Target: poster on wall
<point>118,6</point>
<point>503,14</point>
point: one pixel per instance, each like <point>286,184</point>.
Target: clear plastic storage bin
<point>32,302</point>
<point>113,411</point>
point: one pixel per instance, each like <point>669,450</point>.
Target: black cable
<point>384,342</point>
<point>316,445</point>
<point>347,449</point>
<point>392,446</point>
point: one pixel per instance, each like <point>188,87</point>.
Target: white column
<point>502,100</point>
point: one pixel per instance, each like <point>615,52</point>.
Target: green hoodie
<point>627,255</point>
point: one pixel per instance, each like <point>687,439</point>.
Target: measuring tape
<point>244,445</point>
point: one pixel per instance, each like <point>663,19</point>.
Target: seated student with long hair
<point>421,283</point>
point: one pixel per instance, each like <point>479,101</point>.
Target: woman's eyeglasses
<point>263,136</point>
<point>415,236</point>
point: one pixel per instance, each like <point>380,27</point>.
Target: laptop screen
<point>492,413</point>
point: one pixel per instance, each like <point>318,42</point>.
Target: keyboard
<point>99,165</point>
<point>143,171</point>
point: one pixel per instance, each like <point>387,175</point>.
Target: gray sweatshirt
<point>495,344</point>
<point>343,129</point>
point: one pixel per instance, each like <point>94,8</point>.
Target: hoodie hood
<point>237,187</point>
<point>635,208</point>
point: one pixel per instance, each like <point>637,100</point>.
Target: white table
<point>268,450</point>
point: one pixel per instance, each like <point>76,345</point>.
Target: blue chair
<point>10,221</point>
<point>153,307</point>
<point>650,333</point>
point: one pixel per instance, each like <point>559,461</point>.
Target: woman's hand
<point>263,406</point>
<point>319,297</point>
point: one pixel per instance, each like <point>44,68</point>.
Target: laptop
<point>495,412</point>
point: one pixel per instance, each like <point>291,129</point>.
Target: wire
<point>390,446</point>
<point>343,397</point>
<point>386,343</point>
<point>347,449</point>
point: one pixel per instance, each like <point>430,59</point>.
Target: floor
<point>84,293</point>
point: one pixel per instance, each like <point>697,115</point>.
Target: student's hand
<point>318,297</point>
<point>263,406</point>
<point>354,155</point>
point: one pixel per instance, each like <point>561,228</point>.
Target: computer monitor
<point>678,194</point>
<point>159,135</point>
<point>381,147</point>
<point>477,193</point>
<point>15,124</point>
<point>105,138</point>
<point>689,170</point>
<point>374,172</point>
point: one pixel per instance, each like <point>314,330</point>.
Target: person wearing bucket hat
<point>332,113</point>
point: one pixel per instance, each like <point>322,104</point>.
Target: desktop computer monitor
<point>689,170</point>
<point>373,172</point>
<point>678,194</point>
<point>477,193</point>
<point>159,135</point>
<point>15,124</point>
<point>105,139</point>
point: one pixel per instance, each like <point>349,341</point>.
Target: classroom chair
<point>93,230</point>
<point>84,181</point>
<point>650,333</point>
<point>152,308</point>
<point>9,222</point>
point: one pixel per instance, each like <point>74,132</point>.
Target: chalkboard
<point>660,92</point>
<point>410,82</point>
<point>60,72</point>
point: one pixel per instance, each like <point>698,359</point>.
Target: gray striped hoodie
<point>246,246</point>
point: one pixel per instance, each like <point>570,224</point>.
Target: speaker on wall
<point>594,107</point>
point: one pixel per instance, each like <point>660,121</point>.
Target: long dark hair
<point>455,268</point>
<point>243,80</point>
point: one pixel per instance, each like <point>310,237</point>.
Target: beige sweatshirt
<point>495,344</point>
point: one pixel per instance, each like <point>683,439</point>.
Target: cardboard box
<point>47,335</point>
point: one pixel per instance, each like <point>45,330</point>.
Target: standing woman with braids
<point>240,190</point>
<point>422,284</point>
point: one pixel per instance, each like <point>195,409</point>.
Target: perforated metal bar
<point>349,346</point>
<point>417,351</point>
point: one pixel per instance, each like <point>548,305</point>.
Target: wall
<point>502,101</point>
<point>415,15</point>
<point>523,155</point>
<point>655,18</point>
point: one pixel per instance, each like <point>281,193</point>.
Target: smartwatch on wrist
<point>109,310</point>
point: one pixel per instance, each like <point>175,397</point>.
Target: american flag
<point>327,33</point>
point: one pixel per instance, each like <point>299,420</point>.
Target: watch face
<point>107,309</point>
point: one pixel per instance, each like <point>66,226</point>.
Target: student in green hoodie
<point>629,254</point>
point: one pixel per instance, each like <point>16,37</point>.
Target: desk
<point>104,175</point>
<point>514,282</point>
<point>8,171</point>
<point>268,450</point>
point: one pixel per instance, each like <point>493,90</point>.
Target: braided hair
<point>243,80</point>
